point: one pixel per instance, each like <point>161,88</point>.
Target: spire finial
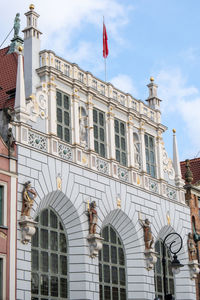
<point>32,6</point>
<point>188,173</point>
<point>176,162</point>
<point>174,131</point>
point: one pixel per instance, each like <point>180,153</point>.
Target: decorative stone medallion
<point>37,141</point>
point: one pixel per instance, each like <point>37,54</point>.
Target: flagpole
<point>105,68</point>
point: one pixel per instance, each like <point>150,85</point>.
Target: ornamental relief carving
<point>167,164</point>
<point>37,106</point>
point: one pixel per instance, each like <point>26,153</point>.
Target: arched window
<point>112,271</point>
<point>49,258</point>
<point>159,282</point>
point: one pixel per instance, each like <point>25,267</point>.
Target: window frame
<point>62,124</point>
<point>4,204</point>
<point>3,258</point>
<point>50,251</point>
<point>120,136</point>
<point>99,127</point>
<point>149,150</point>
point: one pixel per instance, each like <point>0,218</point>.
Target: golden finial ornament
<point>151,79</point>
<point>32,6</point>
<point>20,48</point>
<point>174,130</point>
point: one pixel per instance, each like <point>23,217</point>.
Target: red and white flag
<point>105,42</point>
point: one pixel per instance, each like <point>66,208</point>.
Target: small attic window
<point>11,93</point>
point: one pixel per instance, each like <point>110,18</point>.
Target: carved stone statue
<point>10,140</point>
<point>191,247</point>
<point>92,213</point>
<point>28,199</point>
<point>148,237</point>
<point>16,25</point>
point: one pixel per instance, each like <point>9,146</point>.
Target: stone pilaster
<point>75,104</point>
<point>52,107</point>
<point>143,162</point>
<point>130,143</point>
<point>90,123</point>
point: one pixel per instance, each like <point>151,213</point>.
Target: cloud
<point>124,83</point>
<point>181,103</point>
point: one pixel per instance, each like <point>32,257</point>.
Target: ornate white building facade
<point>80,140</point>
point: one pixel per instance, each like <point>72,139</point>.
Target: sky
<point>145,38</point>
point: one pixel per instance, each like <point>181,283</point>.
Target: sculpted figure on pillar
<point>16,25</point>
<point>28,199</point>
<point>191,247</point>
<point>148,237</point>
<point>92,213</point>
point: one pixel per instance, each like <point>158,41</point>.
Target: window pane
<point>59,115</point>
<point>95,116</point>
<point>63,244</point>
<point>35,238</point>
<point>34,260</point>
<point>102,150</point>
<point>105,234</point>
<point>66,118</point>
<point>53,220</point>
<point>113,237</point>
<point>106,253</point>
<point>106,273</point>
<point>115,293</point>
<point>63,265</point>
<point>118,155</point>
<point>151,157</point>
<point>122,128</point>
<point>44,218</point>
<point>152,171</point>
<point>44,238</point>
<point>34,284</point>
<point>66,102</point>
<point>54,263</point>
<point>151,142</point>
<point>107,293</point>
<point>114,275</point>
<point>123,159</point>
<point>96,146</point>
<point>63,287</point>
<point>101,292</point>
<point>121,256</point>
<point>117,141</point>
<point>44,262</point>
<point>67,135</point>
<point>59,131</point>
<point>100,272</point>
<point>54,286</point>
<point>122,294</point>
<point>44,285</point>
<point>116,126</point>
<point>59,98</point>
<point>122,276</point>
<point>113,254</point>
<point>101,119</point>
<point>95,132</point>
<point>146,140</point>
<point>123,144</point>
<point>102,134</point>
<point>54,240</point>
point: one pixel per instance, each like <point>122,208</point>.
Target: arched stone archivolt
<point>133,250</point>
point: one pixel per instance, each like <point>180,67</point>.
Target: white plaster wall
<point>79,185</point>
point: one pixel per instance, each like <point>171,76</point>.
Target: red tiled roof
<point>194,167</point>
<point>8,75</point>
